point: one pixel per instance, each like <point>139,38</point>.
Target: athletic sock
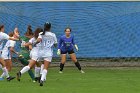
<point>44,74</point>
<point>25,69</point>
<point>3,75</point>
<point>61,66</point>
<point>30,72</point>
<point>41,70</point>
<point>5,71</point>
<point>78,65</point>
<point>37,71</point>
<point>0,66</point>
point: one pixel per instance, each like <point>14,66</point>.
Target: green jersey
<point>24,50</point>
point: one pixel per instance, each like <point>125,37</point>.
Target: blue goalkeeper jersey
<point>66,44</point>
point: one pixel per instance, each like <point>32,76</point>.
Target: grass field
<point>95,80</point>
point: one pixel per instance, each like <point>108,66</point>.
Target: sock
<point>30,72</point>
<point>42,67</point>
<point>78,65</point>
<point>5,71</point>
<point>0,66</point>
<point>25,69</point>
<point>3,75</point>
<point>44,74</point>
<point>37,71</point>
<point>61,66</point>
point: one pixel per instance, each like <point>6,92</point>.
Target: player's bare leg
<point>5,71</point>
<point>74,59</point>
<point>8,64</point>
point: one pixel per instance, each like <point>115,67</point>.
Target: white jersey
<point>48,41</point>
<point>3,36</point>
<point>35,52</point>
<point>32,40</point>
<point>6,54</point>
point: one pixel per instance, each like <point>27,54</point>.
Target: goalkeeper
<point>66,45</point>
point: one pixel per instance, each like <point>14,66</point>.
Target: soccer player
<point>66,45</point>
<point>48,41</point>
<point>25,50</point>
<point>3,37</point>
<point>9,49</point>
<point>34,54</point>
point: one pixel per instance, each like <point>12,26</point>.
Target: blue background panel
<point>101,29</point>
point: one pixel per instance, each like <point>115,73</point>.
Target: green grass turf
<point>95,80</point>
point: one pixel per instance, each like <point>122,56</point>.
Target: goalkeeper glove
<point>58,52</point>
<point>76,47</point>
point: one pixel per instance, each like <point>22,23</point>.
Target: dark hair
<point>1,26</point>
<point>11,34</point>
<point>37,31</point>
<point>47,27</point>
<point>68,28</point>
<point>29,31</point>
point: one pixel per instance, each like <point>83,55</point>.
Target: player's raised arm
<point>15,39</point>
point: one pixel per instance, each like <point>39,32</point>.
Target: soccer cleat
<point>18,76</point>
<point>10,78</point>
<point>60,72</point>
<point>1,78</point>
<point>82,71</point>
<point>36,79</point>
<point>39,79</point>
<point>41,83</point>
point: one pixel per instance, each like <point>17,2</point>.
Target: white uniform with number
<point>35,52</point>
<point>48,41</point>
<point>3,36</point>
<point>6,54</point>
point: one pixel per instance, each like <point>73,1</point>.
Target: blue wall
<point>101,29</point>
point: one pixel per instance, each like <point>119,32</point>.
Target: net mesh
<point>101,29</point>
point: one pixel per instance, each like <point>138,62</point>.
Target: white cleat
<point>82,71</point>
<point>34,81</point>
<point>60,72</point>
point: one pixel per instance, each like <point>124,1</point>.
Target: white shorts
<point>40,55</point>
<point>34,54</point>
<point>6,54</point>
<point>47,55</point>
<point>49,59</point>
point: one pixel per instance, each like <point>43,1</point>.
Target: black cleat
<point>18,76</point>
<point>41,83</point>
<point>36,79</point>
<point>39,79</point>
<point>10,78</point>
